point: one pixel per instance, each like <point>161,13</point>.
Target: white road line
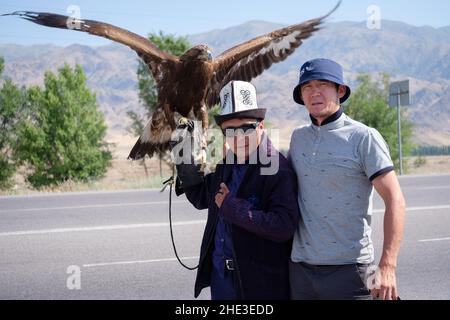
<point>81,193</point>
<point>94,206</point>
<point>90,265</point>
<point>100,228</point>
<point>433,188</point>
<point>432,240</point>
<point>418,208</point>
<point>435,175</point>
<point>162,224</point>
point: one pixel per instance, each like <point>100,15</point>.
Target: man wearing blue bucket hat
<point>338,162</point>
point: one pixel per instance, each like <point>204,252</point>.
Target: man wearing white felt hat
<point>238,100</point>
<point>240,119</point>
<point>252,216</point>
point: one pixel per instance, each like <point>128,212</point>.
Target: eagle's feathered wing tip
<point>15,13</point>
<point>332,10</point>
<point>27,15</point>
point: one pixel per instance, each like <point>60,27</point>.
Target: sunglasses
<point>244,128</point>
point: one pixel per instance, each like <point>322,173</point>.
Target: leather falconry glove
<point>183,145</point>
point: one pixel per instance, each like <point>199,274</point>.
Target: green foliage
<point>12,101</point>
<point>64,139</point>
<point>215,111</point>
<point>369,105</point>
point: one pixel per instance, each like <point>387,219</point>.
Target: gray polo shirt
<point>335,164</point>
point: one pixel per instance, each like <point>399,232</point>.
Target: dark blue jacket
<point>263,217</point>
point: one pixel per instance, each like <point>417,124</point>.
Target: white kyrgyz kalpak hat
<point>238,101</point>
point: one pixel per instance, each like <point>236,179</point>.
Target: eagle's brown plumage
<point>188,84</point>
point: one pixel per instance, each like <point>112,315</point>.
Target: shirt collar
<point>335,116</point>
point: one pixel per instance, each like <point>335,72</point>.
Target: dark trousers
<point>343,282</point>
<point>223,288</point>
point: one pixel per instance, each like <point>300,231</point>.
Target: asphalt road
<point>116,245</point>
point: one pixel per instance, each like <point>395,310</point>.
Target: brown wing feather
<point>157,132</point>
<point>151,54</point>
<point>249,59</point>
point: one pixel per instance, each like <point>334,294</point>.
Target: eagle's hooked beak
<point>208,55</point>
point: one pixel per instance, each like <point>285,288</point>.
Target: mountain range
<point>420,54</point>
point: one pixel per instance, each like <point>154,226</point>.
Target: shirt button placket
<point>316,145</point>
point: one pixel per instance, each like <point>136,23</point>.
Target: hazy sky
<point>196,16</point>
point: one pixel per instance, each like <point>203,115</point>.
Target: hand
<point>221,194</point>
<point>387,288</point>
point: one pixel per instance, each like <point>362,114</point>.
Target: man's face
<point>321,98</point>
<point>243,136</point>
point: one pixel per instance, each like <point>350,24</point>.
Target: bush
<point>64,138</point>
<point>12,101</point>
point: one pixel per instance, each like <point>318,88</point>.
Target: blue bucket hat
<point>320,69</point>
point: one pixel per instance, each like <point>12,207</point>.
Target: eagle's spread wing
<point>242,62</point>
<point>161,64</point>
<point>249,59</point>
<point>151,54</point>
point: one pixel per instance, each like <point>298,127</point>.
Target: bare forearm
<point>394,220</point>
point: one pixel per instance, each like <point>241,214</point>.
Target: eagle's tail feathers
<point>140,149</point>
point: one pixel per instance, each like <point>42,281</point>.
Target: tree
<point>12,101</point>
<point>64,139</point>
<point>369,105</point>
<point>147,89</point>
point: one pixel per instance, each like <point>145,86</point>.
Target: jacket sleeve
<point>280,220</point>
<point>199,194</point>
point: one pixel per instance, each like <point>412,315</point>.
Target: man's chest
<point>320,153</point>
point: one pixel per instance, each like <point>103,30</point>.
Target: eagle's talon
<point>183,121</point>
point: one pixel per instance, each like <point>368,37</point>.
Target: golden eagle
<point>188,84</point>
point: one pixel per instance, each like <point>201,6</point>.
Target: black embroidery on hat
<point>225,100</point>
<point>246,97</point>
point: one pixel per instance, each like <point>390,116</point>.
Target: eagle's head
<point>200,53</point>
